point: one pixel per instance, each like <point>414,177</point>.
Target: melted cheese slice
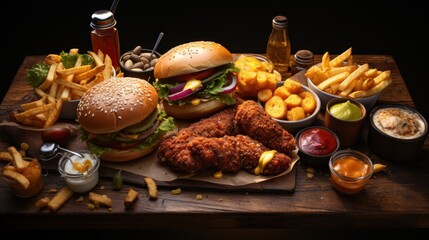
<point>193,84</point>
<point>265,158</point>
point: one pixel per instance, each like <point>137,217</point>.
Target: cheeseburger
<point>195,79</point>
<point>120,119</point>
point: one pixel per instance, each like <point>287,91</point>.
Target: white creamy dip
<point>399,123</point>
<point>80,174</point>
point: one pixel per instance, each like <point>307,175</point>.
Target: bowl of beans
<point>139,63</point>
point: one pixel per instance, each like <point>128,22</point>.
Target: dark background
<point>370,27</point>
<point>43,27</point>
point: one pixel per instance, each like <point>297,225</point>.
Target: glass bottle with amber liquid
<point>104,35</point>
<point>278,46</point>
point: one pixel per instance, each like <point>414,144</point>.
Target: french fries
<point>41,113</point>
<point>17,160</point>
<point>132,195</point>
<point>343,77</point>
<point>60,198</point>
<point>152,188</point>
<point>103,200</point>
<point>63,84</point>
<point>24,177</point>
<point>70,83</point>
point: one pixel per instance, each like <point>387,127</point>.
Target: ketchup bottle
<point>104,35</point>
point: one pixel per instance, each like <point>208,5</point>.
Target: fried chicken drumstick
<point>253,121</point>
<point>232,153</point>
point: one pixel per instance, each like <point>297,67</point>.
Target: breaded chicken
<point>253,121</point>
<point>173,149</point>
<point>232,153</point>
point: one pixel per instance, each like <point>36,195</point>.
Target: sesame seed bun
<point>114,104</point>
<point>191,57</point>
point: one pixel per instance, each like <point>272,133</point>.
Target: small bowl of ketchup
<point>316,145</point>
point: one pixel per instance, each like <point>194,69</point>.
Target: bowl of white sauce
<point>396,132</point>
<point>80,174</point>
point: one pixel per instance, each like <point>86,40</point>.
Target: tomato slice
<point>196,75</point>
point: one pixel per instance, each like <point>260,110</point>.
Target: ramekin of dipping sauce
<point>345,117</point>
<point>316,145</point>
<point>350,170</point>
<point>80,174</point>
<point>396,132</point>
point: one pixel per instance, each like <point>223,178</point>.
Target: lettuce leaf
<point>36,75</point>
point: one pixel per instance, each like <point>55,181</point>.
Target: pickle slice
<point>143,125</point>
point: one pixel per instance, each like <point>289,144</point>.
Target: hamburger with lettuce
<point>195,79</point>
<point>120,119</point>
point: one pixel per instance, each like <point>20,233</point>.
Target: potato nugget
<point>295,114</point>
<point>308,104</point>
<point>282,92</point>
<point>305,94</point>
<point>247,78</point>
<point>276,107</point>
<point>265,94</point>
<point>272,81</point>
<point>261,79</point>
<point>292,86</point>
<point>293,101</point>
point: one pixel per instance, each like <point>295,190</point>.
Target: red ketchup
<point>317,141</point>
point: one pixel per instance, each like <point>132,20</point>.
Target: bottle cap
<point>304,56</point>
<point>280,21</point>
<point>102,19</point>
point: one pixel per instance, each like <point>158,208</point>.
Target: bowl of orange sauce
<point>350,170</point>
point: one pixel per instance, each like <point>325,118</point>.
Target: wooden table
<point>395,198</point>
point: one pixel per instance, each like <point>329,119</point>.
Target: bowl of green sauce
<point>345,116</point>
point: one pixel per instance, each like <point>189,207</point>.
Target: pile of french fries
<point>41,113</point>
<point>343,77</point>
<point>61,85</point>
<point>25,177</point>
<point>71,83</point>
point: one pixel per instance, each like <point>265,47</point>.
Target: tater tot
<point>276,107</point>
<point>295,114</point>
<point>282,92</point>
<point>292,86</point>
<point>265,94</point>
<point>261,79</point>
<point>308,104</point>
<point>272,82</point>
<point>303,94</point>
<point>293,101</point>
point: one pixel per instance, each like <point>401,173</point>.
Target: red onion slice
<point>177,88</point>
<point>182,94</point>
<point>150,131</point>
<point>231,87</point>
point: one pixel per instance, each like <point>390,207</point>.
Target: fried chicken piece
<point>232,153</point>
<point>252,120</point>
<point>173,149</point>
